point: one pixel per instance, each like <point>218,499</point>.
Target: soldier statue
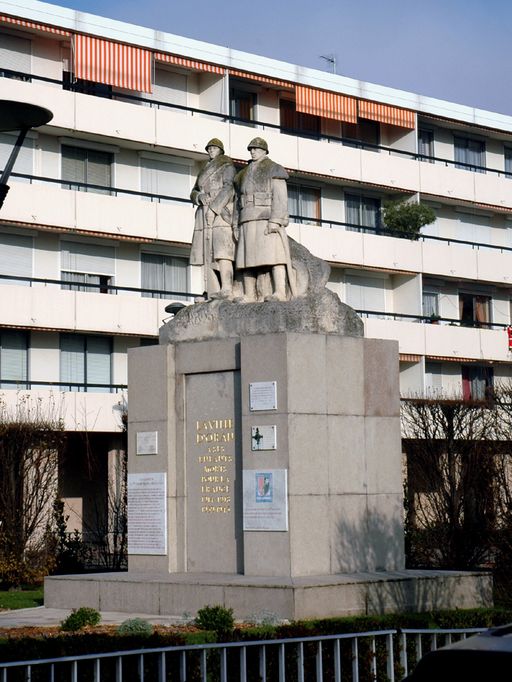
<point>262,218</point>
<point>213,244</point>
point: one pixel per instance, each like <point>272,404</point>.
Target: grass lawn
<point>21,599</point>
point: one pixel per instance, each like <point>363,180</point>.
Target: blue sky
<point>459,50</point>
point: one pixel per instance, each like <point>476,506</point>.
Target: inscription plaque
<point>262,396</point>
<point>213,524</point>
<point>265,499</point>
<point>263,437</point>
<point>147,442</point>
<point>147,513</point>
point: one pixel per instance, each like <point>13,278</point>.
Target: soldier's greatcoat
<point>216,181</point>
<point>262,198</point>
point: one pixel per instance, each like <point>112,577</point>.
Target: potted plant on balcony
<point>434,318</point>
<point>405,219</point>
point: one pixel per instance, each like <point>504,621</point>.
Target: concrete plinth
<point>284,597</point>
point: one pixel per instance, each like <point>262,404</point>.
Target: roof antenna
<point>330,59</point>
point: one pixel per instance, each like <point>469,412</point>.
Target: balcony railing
<point>300,219</point>
<point>102,288</point>
<point>429,319</point>
<point>349,142</point>
<point>61,386</point>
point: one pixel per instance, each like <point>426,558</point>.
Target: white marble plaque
<point>265,499</point>
<point>147,513</point>
<point>147,442</point>
<point>263,437</point>
<point>262,396</point>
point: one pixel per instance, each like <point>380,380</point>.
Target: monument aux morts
<point>265,468</point>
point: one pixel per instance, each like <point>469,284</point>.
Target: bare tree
<point>32,439</point>
<point>453,481</point>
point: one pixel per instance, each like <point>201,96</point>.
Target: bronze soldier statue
<point>213,244</point>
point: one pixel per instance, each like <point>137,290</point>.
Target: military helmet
<point>258,143</point>
<point>215,142</point>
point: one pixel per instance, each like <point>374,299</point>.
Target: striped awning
<point>409,357</point>
<point>325,104</point>
<point>384,113</point>
<point>104,61</point>
<point>260,79</point>
<point>188,63</point>
<point>5,19</point>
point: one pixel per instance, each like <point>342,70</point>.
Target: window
<point>474,310</point>
<point>365,293</point>
<point>85,87</point>
<point>89,266</point>
<point>242,104</point>
<point>477,382</point>
<point>15,57</point>
<point>294,121</point>
<point>87,166</point>
<point>164,178</point>
<point>13,359</point>
<point>164,274</point>
<point>431,304</point>
<point>16,258</point>
<point>508,161</point>
<point>363,132</point>
<point>86,360</point>
<point>24,163</point>
<point>433,378</point>
<point>362,211</point>
<point>470,152</point>
<point>304,202</point>
<point>426,145</point>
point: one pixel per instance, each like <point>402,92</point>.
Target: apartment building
<point>96,229</point>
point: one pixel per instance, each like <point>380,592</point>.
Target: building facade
<point>96,229</point>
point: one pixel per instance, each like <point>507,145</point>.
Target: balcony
<point>441,340</point>
<point>165,125</point>
<point>100,412</point>
<point>49,307</point>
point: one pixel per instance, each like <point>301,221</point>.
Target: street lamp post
<point>20,116</point>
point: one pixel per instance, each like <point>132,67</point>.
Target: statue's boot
<point>223,294</point>
<point>277,296</point>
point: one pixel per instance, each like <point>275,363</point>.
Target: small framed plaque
<point>147,442</point>
<point>263,437</point>
<point>262,396</point>
<point>265,503</point>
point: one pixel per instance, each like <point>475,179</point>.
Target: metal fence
<point>382,655</point>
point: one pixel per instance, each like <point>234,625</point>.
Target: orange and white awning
<point>260,79</point>
<point>384,113</point>
<point>5,19</point>
<point>104,61</point>
<point>188,63</point>
<point>326,104</point>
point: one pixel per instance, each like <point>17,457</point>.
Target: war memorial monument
<point>265,468</point>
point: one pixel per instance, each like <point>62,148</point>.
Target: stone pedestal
<point>337,437</point>
<point>264,449</point>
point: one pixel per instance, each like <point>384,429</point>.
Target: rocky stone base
<point>318,312</point>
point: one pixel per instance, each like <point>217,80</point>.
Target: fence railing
<point>354,657</point>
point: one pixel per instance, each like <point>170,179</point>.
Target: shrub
<point>80,618</point>
<point>135,626</point>
<point>405,219</point>
<point>217,618</point>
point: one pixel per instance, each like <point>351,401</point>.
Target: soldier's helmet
<point>215,142</point>
<point>259,143</point>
